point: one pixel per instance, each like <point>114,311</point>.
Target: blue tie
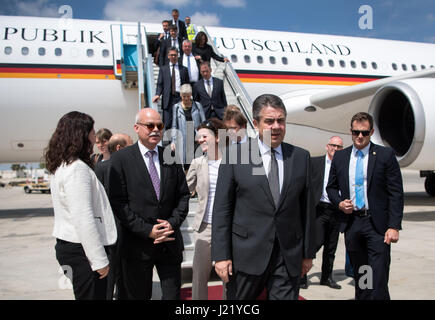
<point>359,180</point>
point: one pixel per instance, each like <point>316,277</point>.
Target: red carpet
<point>215,293</point>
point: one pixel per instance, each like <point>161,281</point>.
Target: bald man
<point>327,216</point>
<point>150,198</point>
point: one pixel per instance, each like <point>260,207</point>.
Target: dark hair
<point>103,134</point>
<point>175,10</point>
<point>70,141</point>
<point>232,112</point>
<point>173,27</point>
<point>173,49</point>
<point>166,21</point>
<point>206,63</point>
<point>199,36</point>
<point>362,116</point>
<point>267,100</point>
<point>214,124</point>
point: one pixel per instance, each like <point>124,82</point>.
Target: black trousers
<point>86,283</point>
<point>167,112</point>
<point>367,249</point>
<point>279,284</point>
<point>137,276</point>
<point>327,228</point>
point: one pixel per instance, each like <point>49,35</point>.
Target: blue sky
<point>397,20</point>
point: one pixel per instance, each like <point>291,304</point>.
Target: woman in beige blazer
<point>83,219</point>
<point>202,177</point>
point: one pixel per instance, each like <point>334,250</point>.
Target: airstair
<point>133,64</point>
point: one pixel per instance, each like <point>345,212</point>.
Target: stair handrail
<point>236,85</point>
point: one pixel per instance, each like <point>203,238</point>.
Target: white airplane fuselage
<point>49,67</point>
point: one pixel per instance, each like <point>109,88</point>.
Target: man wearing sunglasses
<point>365,183</point>
<point>151,200</point>
<point>327,216</point>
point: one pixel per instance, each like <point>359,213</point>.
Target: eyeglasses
<point>151,126</point>
<point>335,146</point>
<point>356,133</point>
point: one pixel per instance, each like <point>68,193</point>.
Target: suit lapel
<point>287,155</point>
<point>371,163</point>
<point>142,166</point>
<point>346,168</point>
<point>163,172</point>
<point>259,168</point>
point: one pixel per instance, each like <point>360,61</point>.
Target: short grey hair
<point>267,100</point>
<point>186,89</point>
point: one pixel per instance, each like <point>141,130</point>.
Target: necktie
<point>173,42</point>
<point>208,87</point>
<point>273,177</point>
<point>359,180</point>
<point>153,173</point>
<point>173,80</point>
<point>188,67</point>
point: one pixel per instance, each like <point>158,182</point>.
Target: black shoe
<point>304,282</point>
<point>330,283</point>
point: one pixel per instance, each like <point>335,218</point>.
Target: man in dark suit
<point>191,62</point>
<point>365,183</point>
<point>209,91</point>
<point>117,142</point>
<point>327,216</point>
<point>181,26</point>
<point>263,214</point>
<point>150,198</point>
<point>174,41</point>
<point>171,77</point>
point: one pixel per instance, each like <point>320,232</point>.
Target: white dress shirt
<point>143,151</point>
<point>213,169</point>
<point>324,197</point>
<point>177,76</point>
<point>266,156</point>
<point>352,168</point>
<point>193,70</point>
<point>82,212</point>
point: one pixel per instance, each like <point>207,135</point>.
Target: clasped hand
<point>161,232</point>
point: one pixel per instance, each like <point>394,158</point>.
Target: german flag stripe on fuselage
<point>251,76</point>
<point>47,71</point>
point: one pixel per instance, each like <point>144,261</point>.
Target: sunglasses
<point>151,126</point>
<point>356,133</point>
<point>335,146</point>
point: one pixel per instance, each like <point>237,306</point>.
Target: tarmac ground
<point>30,271</point>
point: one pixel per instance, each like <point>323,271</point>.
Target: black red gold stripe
<point>251,76</point>
<point>56,71</point>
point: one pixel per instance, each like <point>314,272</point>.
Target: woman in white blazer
<point>83,219</point>
<point>202,177</point>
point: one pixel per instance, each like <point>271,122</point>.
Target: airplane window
<point>353,64</point>
<point>259,59</point>
<point>414,68</point>
<point>24,51</point>
<point>90,53</point>
<point>284,60</point>
<point>364,64</point>
<point>106,53</point>
<point>394,66</point>
<point>247,59</point>
<point>423,67</point>
<point>308,61</point>
<point>374,65</point>
<point>233,58</point>
<point>58,52</point>
<point>331,62</point>
<point>272,60</point>
<point>41,51</point>
<point>320,62</point>
<point>404,67</point>
<point>8,50</point>
<point>342,64</point>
